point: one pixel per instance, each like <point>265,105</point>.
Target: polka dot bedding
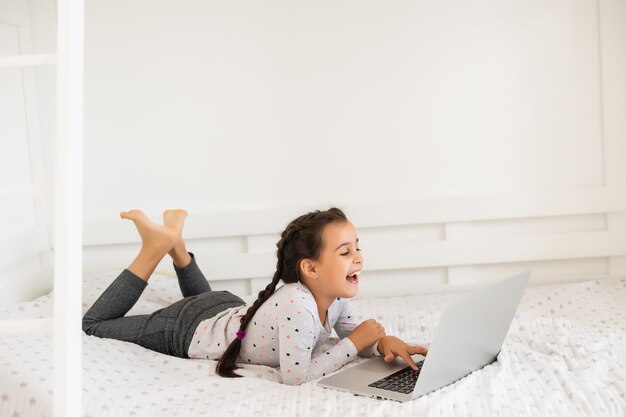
<point>564,355</point>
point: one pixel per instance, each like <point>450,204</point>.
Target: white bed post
<point>68,210</point>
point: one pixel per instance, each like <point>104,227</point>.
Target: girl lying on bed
<point>318,260</point>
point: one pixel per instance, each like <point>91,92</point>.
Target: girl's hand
<point>366,334</point>
<point>391,346</point>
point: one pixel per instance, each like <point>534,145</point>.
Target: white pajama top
<point>285,332</point>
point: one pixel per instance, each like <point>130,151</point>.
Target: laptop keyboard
<point>402,381</point>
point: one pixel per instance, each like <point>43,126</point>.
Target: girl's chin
<point>352,288</point>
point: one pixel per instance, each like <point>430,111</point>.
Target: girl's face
<point>340,260</point>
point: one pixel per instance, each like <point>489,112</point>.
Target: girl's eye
<point>348,253</point>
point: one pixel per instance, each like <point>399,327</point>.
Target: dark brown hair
<point>302,239</point>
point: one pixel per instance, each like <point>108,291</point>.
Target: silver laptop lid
<point>470,333</point>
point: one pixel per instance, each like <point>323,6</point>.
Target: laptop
<point>470,335</point>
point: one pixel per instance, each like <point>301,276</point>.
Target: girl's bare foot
<point>159,238</point>
<point>179,254</point>
<point>156,240</point>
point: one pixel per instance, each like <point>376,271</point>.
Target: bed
<point>564,355</point>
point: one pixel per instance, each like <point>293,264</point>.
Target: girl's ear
<point>308,268</point>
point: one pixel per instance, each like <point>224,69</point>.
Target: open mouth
<point>354,278</point>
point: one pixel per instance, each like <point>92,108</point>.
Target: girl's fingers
<point>389,355</point>
<point>407,358</point>
<point>418,349</point>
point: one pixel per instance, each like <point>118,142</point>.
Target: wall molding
<point>238,222</point>
<point>453,236</point>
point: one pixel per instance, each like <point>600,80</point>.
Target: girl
<point>319,261</point>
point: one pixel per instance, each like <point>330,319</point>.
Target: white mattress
<point>564,356</point>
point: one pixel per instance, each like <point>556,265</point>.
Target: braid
<point>227,363</point>
<point>301,239</point>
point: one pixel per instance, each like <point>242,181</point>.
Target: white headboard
<point>407,246</point>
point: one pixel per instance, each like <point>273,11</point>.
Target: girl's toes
<point>174,218</point>
<point>173,214</point>
<point>132,214</point>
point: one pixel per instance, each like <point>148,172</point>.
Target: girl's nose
<point>359,258</point>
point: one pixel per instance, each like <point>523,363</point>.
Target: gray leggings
<point>168,330</point>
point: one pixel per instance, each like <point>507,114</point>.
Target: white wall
<point>230,106</point>
<point>216,105</point>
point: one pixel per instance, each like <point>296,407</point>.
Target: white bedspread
<point>565,355</point>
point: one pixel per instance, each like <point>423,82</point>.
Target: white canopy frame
<point>65,326</point>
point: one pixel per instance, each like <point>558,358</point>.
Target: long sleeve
<point>346,324</point>
<point>297,339</point>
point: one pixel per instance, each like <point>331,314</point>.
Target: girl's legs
<point>105,317</point>
<point>179,254</point>
<point>190,279</point>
